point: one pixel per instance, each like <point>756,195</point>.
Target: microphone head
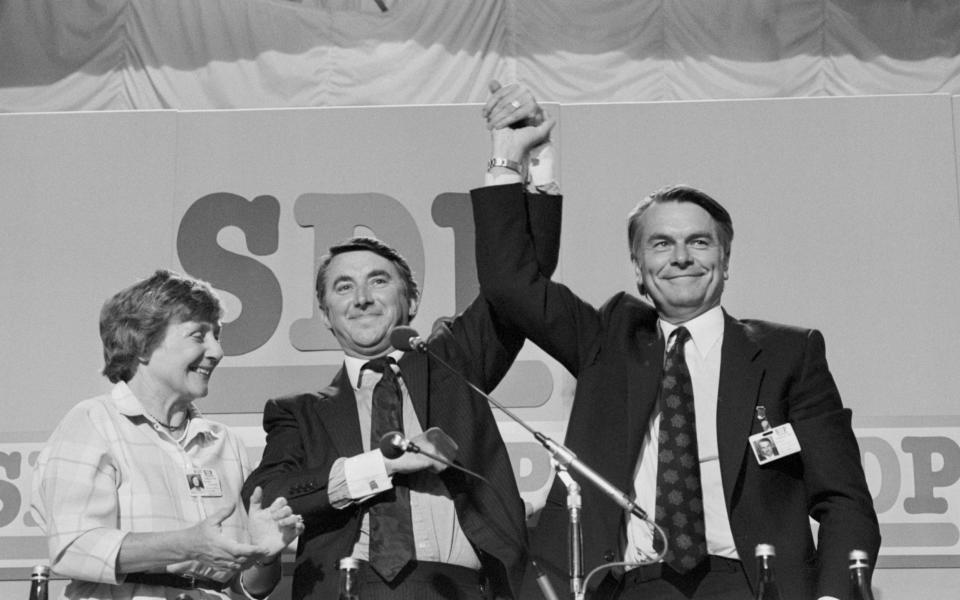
<point>391,444</point>
<point>401,337</point>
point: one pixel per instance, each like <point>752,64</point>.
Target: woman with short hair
<point>137,492</point>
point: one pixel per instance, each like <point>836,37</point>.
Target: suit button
<point>608,556</point>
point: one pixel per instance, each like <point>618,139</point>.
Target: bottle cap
<point>41,570</point>
<point>765,550</point>
<point>858,555</point>
<point>349,563</point>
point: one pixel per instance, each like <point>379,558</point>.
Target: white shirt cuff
<point>541,166</point>
<point>366,475</point>
<point>541,172</point>
<point>503,178</point>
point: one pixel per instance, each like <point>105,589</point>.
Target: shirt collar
<point>128,405</point>
<point>705,329</point>
<point>354,364</point>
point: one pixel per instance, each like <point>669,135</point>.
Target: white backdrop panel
<point>846,219</point>
<point>846,213</point>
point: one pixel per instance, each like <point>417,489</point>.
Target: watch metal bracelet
<point>506,164</point>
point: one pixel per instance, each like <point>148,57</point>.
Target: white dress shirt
<point>437,533</point>
<point>702,352</point>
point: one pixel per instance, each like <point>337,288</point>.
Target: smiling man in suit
<point>667,399</point>
<point>420,529</point>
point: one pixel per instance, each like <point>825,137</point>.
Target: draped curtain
<point>58,55</point>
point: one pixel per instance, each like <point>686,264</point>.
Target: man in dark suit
<point>457,538</point>
<point>740,376</point>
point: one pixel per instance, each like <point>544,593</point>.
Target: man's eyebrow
<point>379,273</point>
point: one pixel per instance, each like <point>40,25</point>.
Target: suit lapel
<point>644,370</point>
<point>338,413</point>
<point>740,377</point>
<point>414,369</point>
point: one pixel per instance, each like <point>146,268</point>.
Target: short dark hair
<point>680,193</point>
<point>411,289</point>
<point>134,321</point>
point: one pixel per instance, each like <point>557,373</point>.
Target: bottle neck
<point>766,580</point>
<point>38,589</point>
<point>859,573</point>
<point>765,568</point>
<point>860,584</point>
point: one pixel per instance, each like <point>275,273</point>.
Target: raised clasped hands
<point>517,123</point>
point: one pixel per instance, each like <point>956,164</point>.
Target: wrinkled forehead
<point>677,218</point>
<point>358,265</point>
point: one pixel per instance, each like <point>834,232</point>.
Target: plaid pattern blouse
<point>108,470</point>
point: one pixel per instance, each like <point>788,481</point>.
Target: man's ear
<point>324,318</point>
<point>412,308</point>
<point>636,271</point>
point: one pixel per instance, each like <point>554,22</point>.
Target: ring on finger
<point>515,104</point>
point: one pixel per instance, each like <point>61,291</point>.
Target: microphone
<point>406,338</point>
<point>394,445</point>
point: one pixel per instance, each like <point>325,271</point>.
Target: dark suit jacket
<point>307,432</point>
<point>616,354</point>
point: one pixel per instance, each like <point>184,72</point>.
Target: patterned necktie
<point>679,497</point>
<point>391,529</point>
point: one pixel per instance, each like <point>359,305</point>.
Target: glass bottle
<point>38,582</point>
<point>766,577</point>
<point>859,586</point>
<point>349,588</point>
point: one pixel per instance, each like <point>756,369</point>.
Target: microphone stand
<point>574,534</point>
<point>565,460</point>
<point>395,441</point>
<point>560,453</point>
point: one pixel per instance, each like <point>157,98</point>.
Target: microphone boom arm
<point>560,453</point>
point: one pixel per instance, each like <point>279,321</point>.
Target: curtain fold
<point>212,54</point>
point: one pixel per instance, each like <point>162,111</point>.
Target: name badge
<point>773,444</point>
<point>204,483</point>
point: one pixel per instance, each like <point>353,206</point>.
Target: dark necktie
<point>679,497</point>
<point>391,529</point>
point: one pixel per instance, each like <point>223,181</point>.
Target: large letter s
<point>250,280</point>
